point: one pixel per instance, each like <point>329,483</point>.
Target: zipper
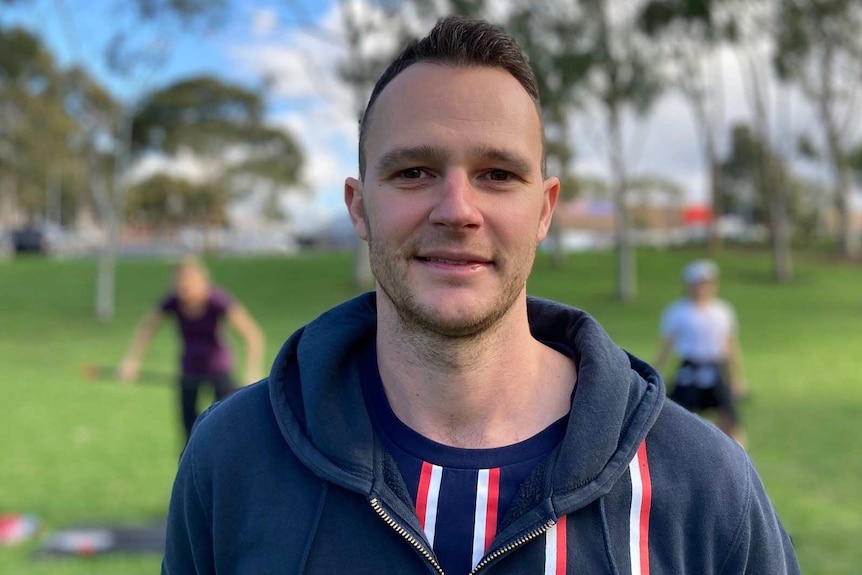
<point>378,509</point>
<point>512,546</point>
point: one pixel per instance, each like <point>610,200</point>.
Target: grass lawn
<point>76,451</point>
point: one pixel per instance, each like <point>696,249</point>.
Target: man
<point>200,309</point>
<point>701,330</point>
<point>446,423</point>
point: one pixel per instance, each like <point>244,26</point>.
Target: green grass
<point>76,451</point>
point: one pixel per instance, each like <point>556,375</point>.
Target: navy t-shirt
<point>461,495</point>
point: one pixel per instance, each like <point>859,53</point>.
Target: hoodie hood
<point>317,400</point>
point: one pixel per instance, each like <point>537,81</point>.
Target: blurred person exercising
<point>199,308</point>
<point>701,330</point>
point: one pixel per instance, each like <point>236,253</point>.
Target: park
<point>76,450</point>
<point>140,133</point>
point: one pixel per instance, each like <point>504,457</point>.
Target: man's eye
<point>411,173</point>
<point>499,175</point>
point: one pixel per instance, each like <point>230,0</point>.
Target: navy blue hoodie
<point>287,476</point>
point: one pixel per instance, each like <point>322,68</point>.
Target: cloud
<point>320,109</point>
<point>263,22</point>
<point>301,64</point>
<point>184,165</point>
<point>665,142</point>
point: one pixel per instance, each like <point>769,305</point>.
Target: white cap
<point>700,271</point>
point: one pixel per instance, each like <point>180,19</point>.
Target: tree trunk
<point>776,197</point>
<point>850,242</point>
<point>716,241</point>
<point>363,278</point>
<point>362,275</point>
<point>104,300</point>
<point>557,165</point>
<point>626,264</point>
<point>104,303</point>
<point>9,209</point>
<point>105,273</point>
<point>779,225</point>
<point>706,133</point>
<point>841,180</point>
<point>558,252</point>
<point>843,188</point>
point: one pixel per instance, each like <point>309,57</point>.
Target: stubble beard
<point>416,319</point>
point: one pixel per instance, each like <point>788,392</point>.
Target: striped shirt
<point>461,495</point>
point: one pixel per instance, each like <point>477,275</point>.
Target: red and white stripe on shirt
<point>556,548</point>
<point>485,522</point>
<point>427,498</point>
<point>486,512</point>
<point>639,513</point>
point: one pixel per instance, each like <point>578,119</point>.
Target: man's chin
<point>451,322</point>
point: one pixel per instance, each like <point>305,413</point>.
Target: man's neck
<point>493,389</point>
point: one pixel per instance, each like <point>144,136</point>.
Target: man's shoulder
<point>707,500</point>
<point>246,416</point>
<point>699,464</point>
<point>242,433</point>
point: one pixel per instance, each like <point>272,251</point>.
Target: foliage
<point>204,114</point>
<point>621,78</point>
<point>165,202</point>
<point>689,34</point>
<point>819,47</point>
<point>223,125</point>
<point>31,95</point>
<point>743,192</point>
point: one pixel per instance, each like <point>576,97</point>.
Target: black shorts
<point>702,386</point>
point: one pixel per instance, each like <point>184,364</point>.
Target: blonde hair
<point>192,262</point>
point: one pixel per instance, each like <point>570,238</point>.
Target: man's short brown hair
<point>462,43</point>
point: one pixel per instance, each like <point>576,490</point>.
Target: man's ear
<point>549,202</point>
<point>353,200</point>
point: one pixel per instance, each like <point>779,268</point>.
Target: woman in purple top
<point>199,308</point>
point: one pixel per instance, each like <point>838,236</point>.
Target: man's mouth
<point>451,262</point>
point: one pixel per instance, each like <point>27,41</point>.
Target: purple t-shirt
<point>204,350</point>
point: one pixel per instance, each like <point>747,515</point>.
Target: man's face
<point>454,202</point>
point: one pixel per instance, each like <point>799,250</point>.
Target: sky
<point>296,46</point>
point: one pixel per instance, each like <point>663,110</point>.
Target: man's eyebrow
<point>427,154</point>
<point>397,157</point>
<point>510,160</point>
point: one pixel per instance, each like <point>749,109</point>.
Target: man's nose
<point>457,205</point>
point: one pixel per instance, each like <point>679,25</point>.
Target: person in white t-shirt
<point>701,330</point>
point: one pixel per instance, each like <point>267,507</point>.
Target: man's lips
<point>454,262</point>
<point>455,259</point>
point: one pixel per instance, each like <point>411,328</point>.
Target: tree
<point>139,39</point>
<point>691,32</point>
<point>162,201</point>
<point>819,46</point>
<point>222,126</point>
<point>622,79</point>
<point>752,20</point>
<point>545,33</point>
<point>360,69</point>
<point>743,191</point>
<point>31,160</point>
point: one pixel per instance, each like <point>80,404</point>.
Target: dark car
<point>29,239</point>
